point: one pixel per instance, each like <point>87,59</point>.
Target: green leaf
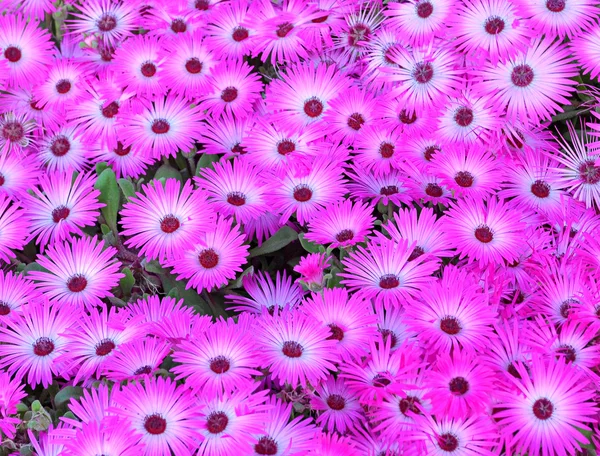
<point>117,302</point>
<point>155,268</point>
<point>279,240</point>
<point>167,171</point>
<point>206,161</point>
<point>110,196</point>
<point>310,247</point>
<point>173,293</point>
<point>190,297</point>
<point>127,188</point>
<point>127,282</point>
<point>335,279</point>
<point>68,392</point>
<point>34,267</point>
<point>237,283</point>
<point>100,167</point>
<point>105,229</point>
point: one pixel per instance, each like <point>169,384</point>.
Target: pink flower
<point>312,270</point>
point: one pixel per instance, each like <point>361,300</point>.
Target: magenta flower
<point>95,338</point>
<point>266,294</point>
<point>162,413</point>
<point>162,127</point>
<point>341,224</point>
<point>312,270</point>
<point>218,360</point>
<point>552,405</point>
<point>61,206</point>
<point>78,272</point>
<point>165,219</point>
<point>14,226</point>
<point>11,393</point>
<point>137,359</point>
<point>558,17</point>
<point>15,291</point>
<point>382,271</point>
<point>297,349</point>
<point>230,32</point>
<point>349,319</point>
<point>33,340</point>
<point>235,188</point>
<point>214,259</point>
<point>339,409</point>
<point>421,20</point>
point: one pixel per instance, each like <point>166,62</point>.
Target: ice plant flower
<point>14,225</point>
<point>162,413</point>
<point>312,270</point>
<point>61,206</point>
<point>136,359</point>
<point>382,270</point>
<point>339,409</point>
<point>165,219</point>
<point>296,348</point>
<point>34,339</point>
<point>78,272</point>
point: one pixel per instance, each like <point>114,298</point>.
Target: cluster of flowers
<point>447,298</point>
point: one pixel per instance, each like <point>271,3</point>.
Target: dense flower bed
<point>299,227</point>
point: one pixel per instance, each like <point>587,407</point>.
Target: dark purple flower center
<point>356,121</point>
<point>459,386</point>
<point>302,193</point>
<point>463,116</point>
<point>110,110</point>
<point>229,94</point>
<point>540,189</point>
<point>60,146</point>
<point>60,213</point>
<point>144,370</point>
<point>236,199</point>
<point>169,224</point>
<point>283,29</point>
<point>556,6</point>
<point>416,253</point>
<point>238,149</point>
<point>13,131</point>
<point>430,152</point>
<point>381,380</point>
<point>450,325</point>
<point>105,346</point>
<point>43,346</point>
<point>388,333</point>
<point>566,307</point>
<point>337,333</point>
<point>388,281</point>
<point>406,119</point>
<point>193,65</point>
<point>388,190</point>
<point>148,69</point>
<point>409,403</point>
<point>106,23</point>
<point>77,283</point>
<point>344,235</point>
<point>512,370</point>
<point>423,72</point>
<point>120,150</point>
<point>568,352</point>
<point>313,107</point>
<point>424,9</point>
<point>292,349</point>
<point>202,5</point>
<point>286,147</point>
<point>12,54</point>
<point>216,422</point>
<point>336,402</point>
<point>359,32</point>
<point>266,446</point>
<point>320,20</point>
<point>589,172</point>
<point>464,179</point>
<point>484,234</point>
<point>63,86</point>
<point>240,34</point>
<point>522,75</point>
<point>386,149</point>
<point>178,26</point>
<point>434,190</point>
<point>494,25</point>
<point>208,258</point>
<point>4,308</point>
<point>160,126</point>
<point>447,442</point>
<point>155,424</point>
<point>219,365</point>
<point>543,409</point>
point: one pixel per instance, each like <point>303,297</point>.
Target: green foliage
<point>279,240</point>
<point>110,196</point>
